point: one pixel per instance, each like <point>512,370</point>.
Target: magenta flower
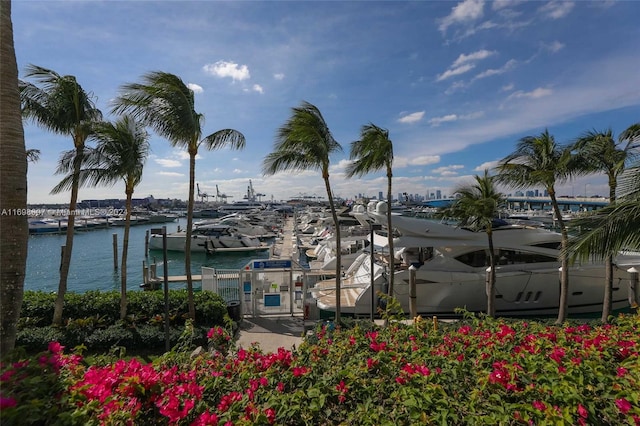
<point>539,405</point>
<point>623,405</point>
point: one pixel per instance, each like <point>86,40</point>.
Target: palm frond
<point>165,103</point>
<point>304,142</point>
<point>225,138</point>
<point>607,231</point>
<point>374,151</point>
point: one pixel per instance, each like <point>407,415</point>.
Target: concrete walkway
<point>271,333</point>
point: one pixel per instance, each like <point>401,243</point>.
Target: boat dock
<point>282,248</point>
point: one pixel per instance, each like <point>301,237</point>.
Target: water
<point>92,259</point>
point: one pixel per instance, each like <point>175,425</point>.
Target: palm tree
<point>304,142</point>
<point>539,160</point>
<point>60,105</point>
<point>599,152</point>
<point>165,103</point>
<point>33,155</point>
<point>121,151</point>
<point>372,152</point>
<point>475,207</point>
<point>14,230</point>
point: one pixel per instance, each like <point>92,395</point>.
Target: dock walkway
<point>283,248</point>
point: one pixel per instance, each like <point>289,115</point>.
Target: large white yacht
<point>451,265</point>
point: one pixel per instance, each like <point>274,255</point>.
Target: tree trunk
<point>125,250</point>
<point>71,219</point>
<point>334,214</point>
<point>491,282</point>
<point>607,301</point>
<point>390,234</point>
<point>564,262</point>
<point>187,243</point>
<point>14,231</point>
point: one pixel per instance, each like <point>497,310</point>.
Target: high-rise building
<point>438,194</point>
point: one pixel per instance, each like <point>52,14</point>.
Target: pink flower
<point>582,412</point>
<point>539,405</point>
<point>7,402</point>
<point>623,405</point>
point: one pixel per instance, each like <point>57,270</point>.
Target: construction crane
<point>220,196</point>
<point>252,195</point>
<point>202,195</point>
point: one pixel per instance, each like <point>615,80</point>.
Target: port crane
<point>202,195</point>
<point>252,195</point>
<point>220,196</point>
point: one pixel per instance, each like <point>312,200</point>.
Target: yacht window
<point>553,245</point>
<point>474,259</point>
<point>515,257</point>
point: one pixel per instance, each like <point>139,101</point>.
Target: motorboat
<point>451,266</point>
<point>211,238</point>
<point>47,225</point>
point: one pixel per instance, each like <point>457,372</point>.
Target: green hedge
<point>92,319</point>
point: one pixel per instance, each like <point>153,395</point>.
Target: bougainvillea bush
<point>475,372</point>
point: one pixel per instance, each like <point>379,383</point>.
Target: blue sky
<point>457,84</point>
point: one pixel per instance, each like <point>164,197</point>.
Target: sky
<point>457,84</point>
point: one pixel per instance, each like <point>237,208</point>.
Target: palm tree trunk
<point>607,301</point>
<point>125,251</point>
<point>491,282</point>
<point>390,234</point>
<point>564,262</point>
<point>68,248</point>
<point>187,245</point>
<point>334,214</point>
<point>14,230</point>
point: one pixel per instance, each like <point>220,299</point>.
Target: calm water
<point>92,259</point>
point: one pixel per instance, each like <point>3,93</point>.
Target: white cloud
<point>166,162</point>
<point>489,165</point>
<point>556,9</point>
<point>472,57</point>
<point>455,71</point>
<point>196,88</point>
<point>554,47</point>
<point>540,92</point>
<point>258,88</point>
<point>412,118</point>
<point>279,76</point>
<point>496,71</point>
<point>171,174</point>
<point>468,10</point>
<point>437,120</point>
<point>422,160</point>
<point>448,170</point>
<point>228,69</point>
<point>507,87</point>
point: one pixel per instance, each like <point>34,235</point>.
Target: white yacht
<point>210,238</point>
<point>451,266</point>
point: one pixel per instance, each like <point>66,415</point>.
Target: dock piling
<point>115,252</point>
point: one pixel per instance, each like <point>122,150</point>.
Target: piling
<point>115,252</point>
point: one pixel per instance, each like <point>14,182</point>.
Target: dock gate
<point>262,288</point>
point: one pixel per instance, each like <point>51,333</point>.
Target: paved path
<point>271,333</point>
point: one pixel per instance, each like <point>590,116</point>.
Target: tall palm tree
<point>372,152</point>
<point>120,153</point>
<point>600,152</point>
<point>476,206</point>
<point>304,142</point>
<point>539,160</point>
<point>165,103</point>
<point>60,105</point>
<point>14,230</point>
